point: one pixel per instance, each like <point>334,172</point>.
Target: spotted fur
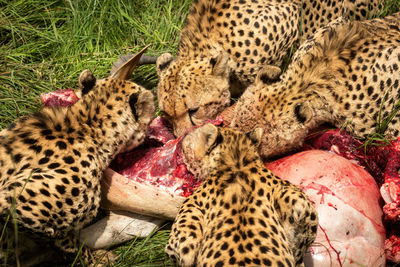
<point>347,75</point>
<point>225,43</point>
<point>51,162</point>
<point>241,215</point>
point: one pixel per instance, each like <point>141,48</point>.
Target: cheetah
<point>52,161</point>
<point>225,43</point>
<point>241,214</point>
<point>347,75</point>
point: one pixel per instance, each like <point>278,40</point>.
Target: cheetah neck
<point>237,160</point>
<point>238,179</point>
<point>80,124</point>
<point>198,28</point>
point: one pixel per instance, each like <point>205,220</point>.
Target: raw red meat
<point>346,197</point>
<point>159,163</point>
<point>392,247</point>
<point>383,163</point>
<point>160,130</point>
<point>388,158</point>
<point>152,179</point>
<point>63,98</point>
<point>160,166</point>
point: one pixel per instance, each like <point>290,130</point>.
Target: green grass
<point>145,252</point>
<point>44,45</point>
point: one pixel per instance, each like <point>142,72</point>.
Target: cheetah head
<point>286,112</point>
<point>121,109</point>
<point>193,91</point>
<point>209,147</point>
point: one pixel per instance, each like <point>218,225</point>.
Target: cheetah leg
<point>184,242</point>
<point>299,219</point>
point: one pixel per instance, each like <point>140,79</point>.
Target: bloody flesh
<point>346,198</point>
<point>158,162</point>
<point>63,98</point>
<point>383,163</point>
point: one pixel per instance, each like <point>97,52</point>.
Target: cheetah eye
<point>303,112</point>
<point>132,102</point>
<point>192,112</point>
<point>213,61</point>
<point>218,141</point>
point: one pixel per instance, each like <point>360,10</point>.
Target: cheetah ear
<point>220,64</point>
<point>303,112</point>
<point>86,81</point>
<point>208,134</point>
<point>163,62</point>
<point>126,69</point>
<point>202,139</point>
<point>142,104</point>
<point>255,136</point>
<point>268,74</point>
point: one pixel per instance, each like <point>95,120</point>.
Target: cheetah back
<point>241,214</point>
